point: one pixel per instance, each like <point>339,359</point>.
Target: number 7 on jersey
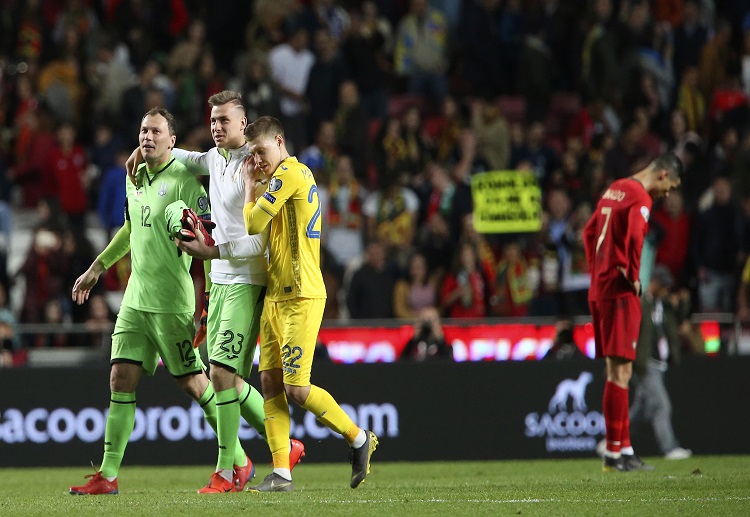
<point>607,212</point>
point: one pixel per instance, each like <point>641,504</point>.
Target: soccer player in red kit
<point>613,239</point>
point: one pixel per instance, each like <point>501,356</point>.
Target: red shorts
<point>617,323</point>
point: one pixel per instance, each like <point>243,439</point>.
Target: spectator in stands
<point>445,130</point>
<point>436,243</point>
<point>76,252</point>
<point>601,76</point>
<point>111,200</point>
<point>418,144</point>
<point>492,135</point>
<point>69,166</point>
<point>135,98</point>
<point>99,322</point>
<point>714,59</point>
<point>43,272</point>
<point>715,249</point>
<point>464,290</point>
<point>415,292</point>
<point>328,73</point>
<point>186,54</point>
<point>365,49</point>
<point>352,128</point>
<point>261,94</point>
<point>391,215</point>
<point>689,38</point>
<point>690,100</point>
<point>320,157</point>
<point>109,77</point>
<point>428,341</point>
<point>54,317</point>
<point>290,65</point>
<point>343,219</point>
<point>480,47</point>
<point>421,53</point>
<point>325,15</point>
<point>675,227</point>
<point>535,75</point>
<point>724,150</point>
<point>537,153</point>
<point>370,293</point>
<point>32,170</point>
<point>511,290</point>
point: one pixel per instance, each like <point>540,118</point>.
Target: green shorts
<point>233,325</point>
<point>143,337</point>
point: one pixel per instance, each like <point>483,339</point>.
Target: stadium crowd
<point>395,105</point>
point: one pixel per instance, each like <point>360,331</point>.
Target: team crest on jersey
<point>645,213</point>
<point>163,186</point>
<point>203,203</point>
<point>274,184</point>
<point>269,197</point>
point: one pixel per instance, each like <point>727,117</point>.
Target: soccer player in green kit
<point>156,316</point>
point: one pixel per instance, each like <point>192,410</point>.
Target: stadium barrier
<point>422,412</point>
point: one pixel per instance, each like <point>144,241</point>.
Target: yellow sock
<point>320,403</point>
<point>277,429</point>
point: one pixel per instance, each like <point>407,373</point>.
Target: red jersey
<point>613,238</point>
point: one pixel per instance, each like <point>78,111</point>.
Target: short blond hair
<point>264,126</point>
<point>226,97</point>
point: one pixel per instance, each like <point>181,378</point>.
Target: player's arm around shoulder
<point>195,162</point>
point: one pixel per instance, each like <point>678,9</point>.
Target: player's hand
<point>84,283</point>
<point>198,247</point>
<point>635,285</point>
<point>250,171</point>
<point>131,164</point>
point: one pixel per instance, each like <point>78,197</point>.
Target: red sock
<point>614,400</point>
<point>626,420</point>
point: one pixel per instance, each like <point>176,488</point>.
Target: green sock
<point>251,408</point>
<point>120,422</point>
<point>207,402</point>
<point>228,423</point>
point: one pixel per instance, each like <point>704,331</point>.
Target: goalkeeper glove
<point>192,224</point>
<point>200,335</point>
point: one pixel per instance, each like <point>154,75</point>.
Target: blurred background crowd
<point>395,105</point>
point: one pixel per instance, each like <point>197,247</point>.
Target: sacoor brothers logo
<point>568,426</point>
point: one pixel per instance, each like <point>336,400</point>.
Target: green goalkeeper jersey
<point>160,280</point>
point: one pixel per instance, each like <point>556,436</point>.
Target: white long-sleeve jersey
<point>244,258</point>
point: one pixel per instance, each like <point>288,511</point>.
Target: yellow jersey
<point>293,202</point>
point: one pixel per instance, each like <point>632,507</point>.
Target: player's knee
<point>298,394</point>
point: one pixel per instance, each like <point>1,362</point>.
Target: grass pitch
<point>704,485</point>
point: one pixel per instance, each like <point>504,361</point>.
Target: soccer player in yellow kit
<point>282,191</point>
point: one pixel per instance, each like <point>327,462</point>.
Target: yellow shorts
<point>288,334</point>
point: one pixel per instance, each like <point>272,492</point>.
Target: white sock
<point>227,474</point>
<point>360,440</point>
<point>610,454</point>
<point>285,473</point>
<point>627,451</point>
<point>110,479</point>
